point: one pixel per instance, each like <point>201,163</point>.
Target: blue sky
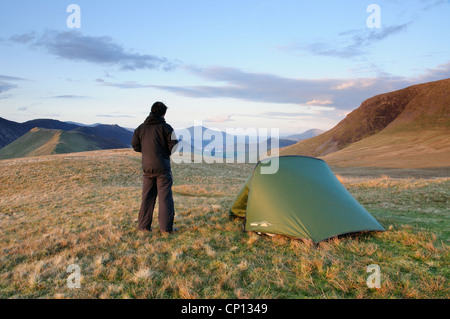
<point>292,65</point>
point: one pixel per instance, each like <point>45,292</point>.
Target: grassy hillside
<point>116,132</point>
<point>82,209</point>
<point>11,131</point>
<point>396,120</point>
<point>402,149</point>
<point>40,141</point>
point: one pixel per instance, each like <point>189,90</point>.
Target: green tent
<point>302,199</point>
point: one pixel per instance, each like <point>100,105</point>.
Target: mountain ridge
<point>11,131</point>
<point>379,123</point>
<point>41,141</point>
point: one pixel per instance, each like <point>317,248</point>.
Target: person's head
<point>159,108</point>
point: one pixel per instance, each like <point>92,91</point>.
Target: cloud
<point>73,45</point>
<point>341,94</point>
<point>319,102</point>
<point>442,71</point>
<point>258,87</point>
<point>287,115</point>
<point>24,38</point>
<point>10,78</point>
<point>5,83</point>
<point>433,4</point>
<point>123,85</point>
<point>359,83</point>
<point>344,86</point>
<point>329,94</point>
<point>114,115</point>
<point>351,43</point>
<point>68,97</point>
<point>307,111</point>
<point>5,86</point>
<point>268,88</point>
<point>281,116</point>
<point>220,119</point>
<point>365,37</point>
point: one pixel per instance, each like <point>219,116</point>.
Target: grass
<point>398,147</point>
<point>82,209</point>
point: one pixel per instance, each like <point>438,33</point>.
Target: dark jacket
<point>153,139</point>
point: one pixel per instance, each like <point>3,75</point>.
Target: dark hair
<point>159,108</point>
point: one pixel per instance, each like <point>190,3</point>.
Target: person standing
<point>153,139</point>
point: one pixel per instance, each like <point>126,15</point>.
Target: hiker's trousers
<point>157,185</point>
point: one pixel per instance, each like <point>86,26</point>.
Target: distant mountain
<point>108,131</point>
<point>196,135</point>
<point>305,135</point>
<point>82,124</point>
<point>10,131</point>
<point>282,142</point>
<point>404,128</point>
<point>39,141</point>
<point>200,142</point>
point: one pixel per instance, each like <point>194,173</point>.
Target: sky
<point>292,65</point>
